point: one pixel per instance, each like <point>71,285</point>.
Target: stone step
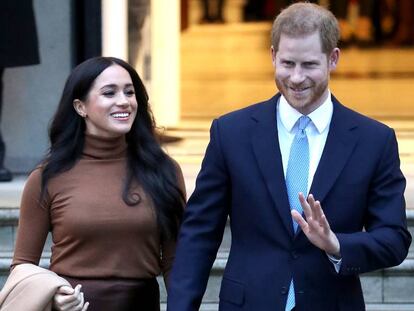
<point>390,307</point>
<point>383,290</point>
<point>388,286</point>
<point>370,307</point>
<point>388,289</point>
<point>9,219</point>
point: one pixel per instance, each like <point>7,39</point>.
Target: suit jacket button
<point>295,255</point>
<point>284,290</point>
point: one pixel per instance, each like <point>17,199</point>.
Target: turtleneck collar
<point>97,147</point>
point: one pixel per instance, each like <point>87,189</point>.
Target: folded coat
<point>31,288</point>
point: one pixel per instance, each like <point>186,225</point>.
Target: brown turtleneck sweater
<point>95,234</point>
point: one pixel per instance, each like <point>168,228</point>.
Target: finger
<point>67,302</point>
<point>79,306</point>
<point>313,208</point>
<point>77,289</point>
<point>76,296</point>
<point>317,209</point>
<point>305,206</point>
<point>86,306</point>
<point>325,224</point>
<point>300,220</point>
<point>69,306</point>
<point>317,212</point>
<point>66,290</point>
<point>311,201</point>
<point>62,300</point>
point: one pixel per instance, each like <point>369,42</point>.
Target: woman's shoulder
<point>175,163</point>
<point>34,179</point>
<point>179,175</point>
<point>36,174</point>
<point>176,166</point>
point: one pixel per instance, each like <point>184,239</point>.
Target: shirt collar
<point>321,117</point>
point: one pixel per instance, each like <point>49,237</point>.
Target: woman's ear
<point>79,107</point>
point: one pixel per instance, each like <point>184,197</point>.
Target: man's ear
<point>79,107</point>
<point>333,59</point>
<point>273,54</point>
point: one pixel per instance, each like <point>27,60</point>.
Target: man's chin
<point>297,103</point>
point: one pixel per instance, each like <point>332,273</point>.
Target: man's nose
<point>297,75</point>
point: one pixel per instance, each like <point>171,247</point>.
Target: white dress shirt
<point>317,132</point>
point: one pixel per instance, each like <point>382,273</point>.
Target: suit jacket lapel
<point>340,143</point>
<point>266,149</point>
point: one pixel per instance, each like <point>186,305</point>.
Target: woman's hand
<point>68,299</point>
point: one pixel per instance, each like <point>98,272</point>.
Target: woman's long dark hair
<point>147,163</point>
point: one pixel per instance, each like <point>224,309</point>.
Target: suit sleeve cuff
<point>335,261</point>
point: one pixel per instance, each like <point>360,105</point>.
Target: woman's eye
<point>109,94</point>
<point>130,92</point>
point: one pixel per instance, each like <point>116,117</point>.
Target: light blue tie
<point>297,181</point>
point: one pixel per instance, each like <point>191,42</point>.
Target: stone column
<point>115,28</point>
<point>165,61</point>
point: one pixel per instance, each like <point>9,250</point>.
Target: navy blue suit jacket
<point>358,182</point>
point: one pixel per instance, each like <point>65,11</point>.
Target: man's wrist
<point>335,252</point>
<point>336,256</point>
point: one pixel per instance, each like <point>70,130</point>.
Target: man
<point>261,163</point>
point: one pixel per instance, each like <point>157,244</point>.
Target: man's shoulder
<point>246,113</point>
<point>359,119</point>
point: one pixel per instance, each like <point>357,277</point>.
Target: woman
<point>111,197</point>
